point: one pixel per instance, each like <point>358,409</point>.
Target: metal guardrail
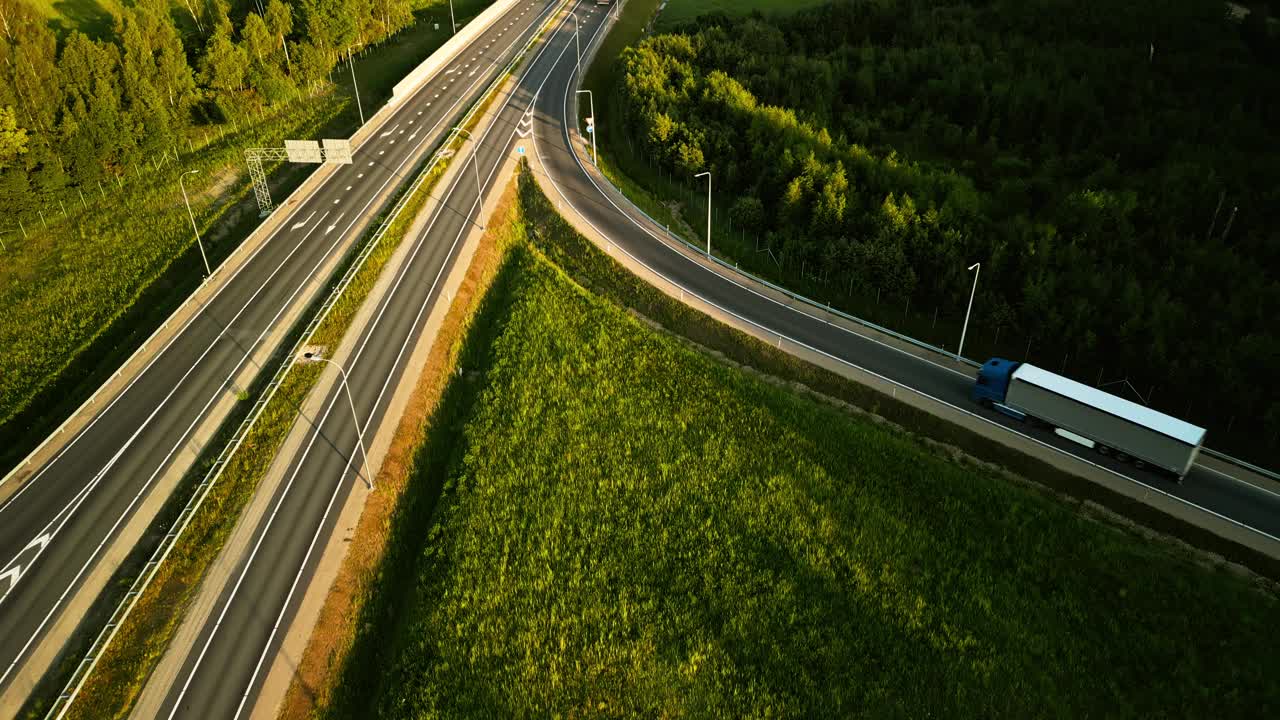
<point>1270,474</point>
<point>86,666</point>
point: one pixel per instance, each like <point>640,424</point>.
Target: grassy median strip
<point>631,528</point>
<point>121,674</point>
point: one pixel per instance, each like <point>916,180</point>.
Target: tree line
<point>1115,168</point>
<point>76,110</point>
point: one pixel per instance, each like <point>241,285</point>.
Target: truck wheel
<point>1122,457</point>
<point>985,402</point>
<point>1102,449</point>
<point>1141,465</point>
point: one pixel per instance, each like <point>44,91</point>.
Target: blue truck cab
<point>993,381</point>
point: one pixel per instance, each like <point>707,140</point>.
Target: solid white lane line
<point>263,532</point>
<point>1233,478</point>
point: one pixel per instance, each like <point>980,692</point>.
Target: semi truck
<point>1111,425</point>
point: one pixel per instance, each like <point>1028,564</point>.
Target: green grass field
<point>629,528</point>
<point>95,18</point>
<point>678,11</point>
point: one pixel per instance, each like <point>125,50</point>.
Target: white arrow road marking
<point>304,222</point>
<point>414,135</point>
<point>12,575</point>
<point>15,571</point>
<point>390,131</point>
<point>335,222</point>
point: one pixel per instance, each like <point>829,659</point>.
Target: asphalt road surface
<point>631,230</point>
<point>56,525</point>
<point>222,673</point>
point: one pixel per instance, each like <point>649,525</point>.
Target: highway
<point>57,523</point>
<point>223,671</point>
<point>567,181</point>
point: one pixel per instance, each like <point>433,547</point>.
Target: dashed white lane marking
<point>410,122</point>
<point>393,142</point>
<point>384,152</point>
<point>335,202</point>
<point>402,132</point>
<point>370,164</point>
<point>348,188</point>
<point>303,223</point>
<point>335,223</point>
<point>360,176</point>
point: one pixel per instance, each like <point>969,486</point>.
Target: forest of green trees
<point>1114,166</point>
<point>75,110</point>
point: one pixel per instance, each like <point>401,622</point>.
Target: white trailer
<point>1115,425</point>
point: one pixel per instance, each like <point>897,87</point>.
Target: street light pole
<point>355,418</point>
<point>452,21</point>
<point>475,157</point>
<point>352,62</point>
<point>194,229</point>
<point>591,125</point>
<point>708,174</point>
<point>978,267</point>
<point>576,39</point>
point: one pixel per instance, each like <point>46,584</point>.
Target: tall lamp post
<point>452,21</point>
<point>475,156</point>
<point>194,229</point>
<point>352,62</point>
<point>708,174</point>
<point>591,126</point>
<point>313,357</point>
<point>576,39</point>
<point>978,267</point>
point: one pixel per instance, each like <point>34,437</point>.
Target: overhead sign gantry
<point>337,152</point>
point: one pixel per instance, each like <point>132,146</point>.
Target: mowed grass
<point>95,18</point>
<point>630,528</point>
<point>679,11</point>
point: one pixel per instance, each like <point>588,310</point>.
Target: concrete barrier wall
<point>446,52</point>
